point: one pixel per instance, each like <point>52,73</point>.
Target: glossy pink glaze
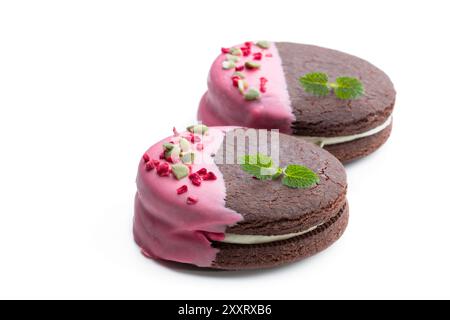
<point>165,226</point>
<point>224,105</point>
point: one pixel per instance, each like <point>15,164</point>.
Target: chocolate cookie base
<point>353,150</point>
<point>260,256</point>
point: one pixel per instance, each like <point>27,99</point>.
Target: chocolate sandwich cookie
<point>206,199</point>
<point>338,101</point>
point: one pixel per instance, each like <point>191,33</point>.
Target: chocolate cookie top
<point>330,116</point>
<point>269,207</point>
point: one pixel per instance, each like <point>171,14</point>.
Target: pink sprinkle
<point>192,200</point>
<point>263,83</point>
<point>200,147</point>
<point>240,68</point>
<point>163,169</point>
<point>146,157</point>
<point>210,177</point>
<point>225,50</point>
<point>202,172</point>
<point>182,190</point>
<point>269,55</point>
<point>197,182</point>
<point>162,156</point>
<point>235,81</point>
<point>175,132</point>
<point>246,51</point>
<point>248,44</point>
<point>149,166</point>
<point>257,56</point>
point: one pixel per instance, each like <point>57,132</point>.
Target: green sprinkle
<point>232,58</point>
<point>227,65</point>
<point>299,177</point>
<point>173,153</point>
<point>180,171</point>
<point>198,129</point>
<point>252,65</point>
<point>185,145</point>
<point>263,44</point>
<point>168,146</point>
<point>236,51</point>
<point>252,94</point>
<point>239,74</point>
<point>187,157</point>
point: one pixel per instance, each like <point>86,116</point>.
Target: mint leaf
<point>299,177</point>
<point>348,88</point>
<point>259,166</point>
<point>315,83</point>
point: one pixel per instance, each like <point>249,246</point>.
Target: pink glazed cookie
<point>194,209</point>
<point>256,85</point>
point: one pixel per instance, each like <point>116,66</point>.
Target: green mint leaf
<point>315,83</point>
<point>299,177</point>
<point>259,166</point>
<point>348,88</point>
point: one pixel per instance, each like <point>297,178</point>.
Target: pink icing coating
<point>165,226</point>
<point>223,104</point>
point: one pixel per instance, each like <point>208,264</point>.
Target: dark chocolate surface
<point>269,207</point>
<point>328,116</point>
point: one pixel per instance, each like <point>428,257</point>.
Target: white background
<point>87,86</point>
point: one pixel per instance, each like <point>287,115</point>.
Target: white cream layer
<point>257,239</point>
<point>323,141</point>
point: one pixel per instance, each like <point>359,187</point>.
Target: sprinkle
<point>210,177</point>
<point>182,189</point>
<point>252,65</point>
<point>263,82</point>
<point>257,56</point>
<point>239,74</point>
<point>225,50</point>
<point>180,171</point>
<point>202,172</point>
<point>227,65</point>
<point>163,169</point>
<point>252,94</point>
<point>240,68</point>
<point>192,200</point>
<point>242,85</point>
<point>185,145</point>
<point>235,81</point>
<point>168,146</point>
<point>236,51</point>
<point>246,51</point>
<point>248,44</point>
<point>187,157</point>
<point>175,132</point>
<point>146,157</point>
<point>200,147</point>
<point>195,179</point>
<point>149,166</point>
<point>269,55</point>
<point>173,155</point>
<point>162,156</point>
<point>199,129</point>
<point>232,58</point>
<point>263,44</point>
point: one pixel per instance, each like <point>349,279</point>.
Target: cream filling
<point>323,141</point>
<point>257,239</point>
